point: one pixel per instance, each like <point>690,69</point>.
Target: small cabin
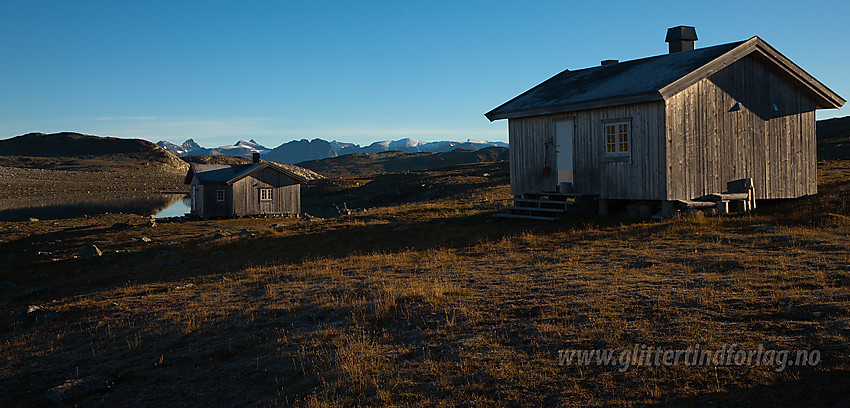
<point>670,128</point>
<point>219,190</point>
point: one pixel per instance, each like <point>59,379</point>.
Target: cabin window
<point>618,138</point>
<point>266,194</point>
<point>219,195</point>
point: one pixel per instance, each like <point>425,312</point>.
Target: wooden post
<point>666,209</point>
<point>603,206</point>
<point>738,206</point>
<point>752,191</point>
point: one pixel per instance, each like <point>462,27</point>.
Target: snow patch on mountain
<point>296,151</point>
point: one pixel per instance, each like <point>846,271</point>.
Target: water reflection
<point>178,208</point>
<point>23,209</point>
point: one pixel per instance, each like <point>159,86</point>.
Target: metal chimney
<point>681,38</point>
<point>255,157</point>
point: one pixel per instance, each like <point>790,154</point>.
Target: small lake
<point>160,206</point>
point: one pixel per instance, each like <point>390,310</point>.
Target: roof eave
<point>572,107</point>
<point>492,117</point>
<point>245,173</point>
<point>190,175</point>
<point>831,99</point>
<point>825,97</point>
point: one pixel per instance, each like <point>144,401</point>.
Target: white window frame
<point>617,138</point>
<point>219,196</point>
<point>266,194</point>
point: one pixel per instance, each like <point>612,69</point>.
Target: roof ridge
<point>644,59</point>
<point>633,81</point>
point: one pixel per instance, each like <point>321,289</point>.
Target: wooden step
<point>727,196</point>
<point>551,206</point>
<point>557,210</point>
<point>695,204</point>
<point>525,217</point>
<point>529,200</point>
<point>551,196</point>
<point>546,205</point>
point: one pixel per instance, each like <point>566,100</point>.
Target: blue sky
<point>351,71</point>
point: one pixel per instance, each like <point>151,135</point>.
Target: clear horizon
<point>358,73</point>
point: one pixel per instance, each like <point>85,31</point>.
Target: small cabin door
<point>564,150</point>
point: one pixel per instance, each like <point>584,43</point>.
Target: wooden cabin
<point>672,127</point>
<point>219,190</point>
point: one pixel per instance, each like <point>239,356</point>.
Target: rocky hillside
<point>368,164</point>
<point>75,151</point>
<point>834,139</point>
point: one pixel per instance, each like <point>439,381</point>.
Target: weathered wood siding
<point>707,145</point>
<point>286,198</point>
<point>642,177</point>
<point>197,197</point>
<point>210,207</point>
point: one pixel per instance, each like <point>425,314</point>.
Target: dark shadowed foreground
<point>426,303</point>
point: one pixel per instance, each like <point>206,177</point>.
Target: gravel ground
<point>17,183</point>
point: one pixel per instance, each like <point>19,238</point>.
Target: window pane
<point>617,137</point>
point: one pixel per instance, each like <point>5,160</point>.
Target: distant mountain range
<point>242,148</point>
<point>298,151</point>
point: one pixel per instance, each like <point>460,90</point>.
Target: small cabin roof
<point>229,174</point>
<point>649,79</point>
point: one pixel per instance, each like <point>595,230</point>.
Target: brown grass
<point>453,309</point>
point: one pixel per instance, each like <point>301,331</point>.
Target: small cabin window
<point>266,194</point>
<point>618,138</point>
<point>219,195</point>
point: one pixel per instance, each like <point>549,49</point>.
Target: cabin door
<point>564,150</point>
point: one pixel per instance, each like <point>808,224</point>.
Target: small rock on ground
<point>90,251</point>
<point>75,389</point>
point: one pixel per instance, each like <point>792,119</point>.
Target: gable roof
<point>221,173</point>
<point>649,79</point>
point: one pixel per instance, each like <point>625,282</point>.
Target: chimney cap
<point>609,62</point>
<point>679,33</point>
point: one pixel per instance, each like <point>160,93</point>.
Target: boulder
<point>120,226</point>
<point>91,251</point>
<point>77,388</point>
<point>36,314</point>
